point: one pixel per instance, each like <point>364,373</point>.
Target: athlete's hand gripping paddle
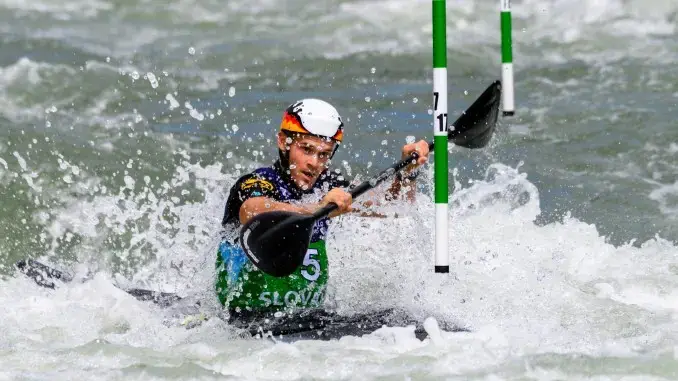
<point>276,242</point>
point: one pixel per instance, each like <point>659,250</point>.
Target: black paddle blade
<point>276,242</point>
<point>474,128</point>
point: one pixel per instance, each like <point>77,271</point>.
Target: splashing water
<point>123,126</point>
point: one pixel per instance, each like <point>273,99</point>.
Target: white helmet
<point>314,117</point>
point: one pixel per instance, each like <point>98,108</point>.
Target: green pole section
<point>441,264</point>
<point>506,48</point>
<point>507,96</point>
<point>439,34</point>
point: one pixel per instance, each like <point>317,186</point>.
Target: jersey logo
<point>259,183</point>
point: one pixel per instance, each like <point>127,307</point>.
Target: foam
<point>522,289</point>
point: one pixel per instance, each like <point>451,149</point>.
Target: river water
<point>123,123</point>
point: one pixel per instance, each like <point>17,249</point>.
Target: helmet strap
<point>336,147</point>
<point>284,159</point>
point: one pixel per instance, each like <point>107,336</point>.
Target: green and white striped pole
<point>440,134</point>
<point>508,107</point>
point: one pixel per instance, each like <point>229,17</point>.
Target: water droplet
<point>231,91</point>
<point>135,75</point>
<point>195,114</point>
<point>415,100</point>
<point>152,80</point>
<point>367,99</point>
<point>235,128</point>
<point>229,155</point>
<point>191,50</point>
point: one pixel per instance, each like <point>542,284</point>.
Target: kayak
<point>319,324</point>
<point>306,324</point>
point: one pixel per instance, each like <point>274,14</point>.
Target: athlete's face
<point>308,155</point>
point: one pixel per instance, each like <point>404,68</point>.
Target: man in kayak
<point>310,133</point>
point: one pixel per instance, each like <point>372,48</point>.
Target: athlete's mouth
<point>308,174</point>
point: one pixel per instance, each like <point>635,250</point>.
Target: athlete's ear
<point>283,143</point>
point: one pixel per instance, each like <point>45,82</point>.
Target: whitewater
<point>123,124</point>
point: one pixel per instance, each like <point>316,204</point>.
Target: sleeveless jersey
<point>240,286</point>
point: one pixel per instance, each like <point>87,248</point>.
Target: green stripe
<point>439,38</point>
<point>506,51</point>
<point>440,168</point>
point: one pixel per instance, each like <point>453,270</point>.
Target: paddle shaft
<point>371,183</point>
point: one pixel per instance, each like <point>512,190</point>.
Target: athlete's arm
<point>396,189</point>
<point>367,208</point>
<point>421,147</point>
<point>255,205</point>
<point>404,184</point>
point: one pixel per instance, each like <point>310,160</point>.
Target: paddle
<point>276,242</point>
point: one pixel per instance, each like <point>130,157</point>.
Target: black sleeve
<point>248,186</point>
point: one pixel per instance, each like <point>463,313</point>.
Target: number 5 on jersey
<point>311,262</point>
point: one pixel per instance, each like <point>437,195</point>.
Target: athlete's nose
<point>313,162</point>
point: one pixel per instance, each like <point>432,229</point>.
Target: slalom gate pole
<point>440,128</point>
